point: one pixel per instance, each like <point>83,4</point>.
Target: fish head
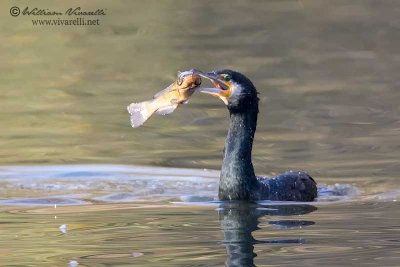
<point>186,83</point>
<point>188,79</point>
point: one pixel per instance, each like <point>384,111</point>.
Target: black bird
<point>238,180</point>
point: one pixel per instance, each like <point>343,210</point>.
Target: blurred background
<point>327,73</point>
<point>328,77</point>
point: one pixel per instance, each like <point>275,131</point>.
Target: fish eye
<point>227,77</point>
<point>179,80</point>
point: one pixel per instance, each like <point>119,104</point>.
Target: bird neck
<point>237,179</point>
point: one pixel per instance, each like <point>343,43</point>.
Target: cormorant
<point>237,179</point>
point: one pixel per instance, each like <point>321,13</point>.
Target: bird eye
<point>227,77</point>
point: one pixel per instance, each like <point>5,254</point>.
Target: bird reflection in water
<point>240,219</point>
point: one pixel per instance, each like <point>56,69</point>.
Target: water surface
<point>327,73</point>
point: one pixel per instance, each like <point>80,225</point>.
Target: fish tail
<point>140,112</point>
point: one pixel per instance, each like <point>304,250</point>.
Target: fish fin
<point>163,91</point>
<point>166,110</point>
<point>185,102</point>
<point>140,113</point>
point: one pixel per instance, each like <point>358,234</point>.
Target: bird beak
<point>222,88</point>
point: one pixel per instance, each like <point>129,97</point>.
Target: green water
<point>327,73</point>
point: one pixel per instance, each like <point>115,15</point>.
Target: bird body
<point>237,179</point>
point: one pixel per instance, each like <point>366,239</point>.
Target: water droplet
<point>63,228</point>
<point>137,254</point>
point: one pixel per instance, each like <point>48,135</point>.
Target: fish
<point>167,100</point>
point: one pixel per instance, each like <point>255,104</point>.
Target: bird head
<point>233,88</point>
